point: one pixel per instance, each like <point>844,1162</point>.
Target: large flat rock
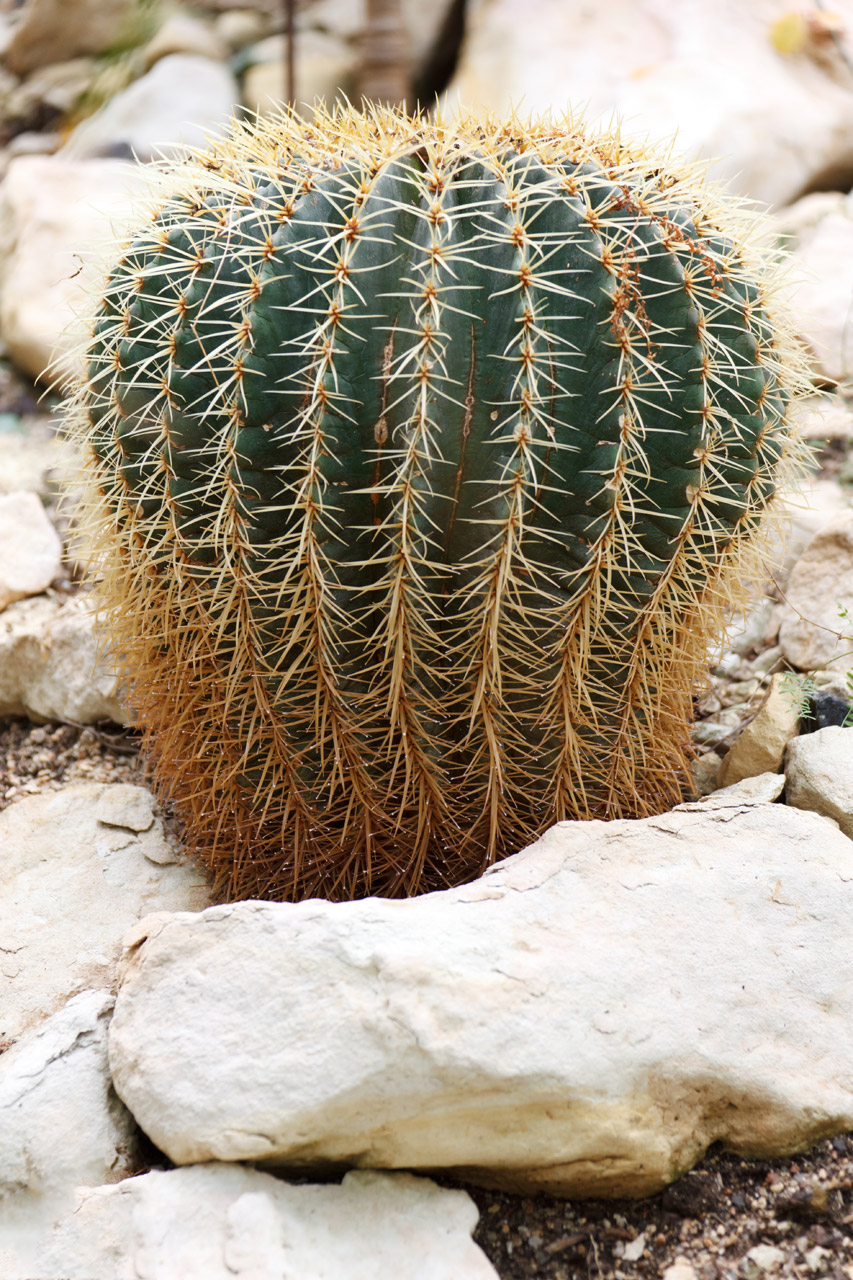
<point>708,70</point>
<point>78,867</point>
<point>222,1222</point>
<point>587,1018</point>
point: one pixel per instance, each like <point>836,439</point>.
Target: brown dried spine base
<point>428,459</point>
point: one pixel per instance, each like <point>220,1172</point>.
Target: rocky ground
<point>728,1218</point>
<point>78,99</point>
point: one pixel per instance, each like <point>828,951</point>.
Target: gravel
<point>728,1219</point>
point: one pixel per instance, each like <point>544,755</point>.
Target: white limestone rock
<point>36,460</point>
<point>239,28</point>
<point>822,295</point>
<point>61,1123</point>
<point>551,1026</point>
<point>59,222</point>
<point>183,99</point>
<point>820,774</point>
<point>58,87</point>
<point>48,31</point>
<point>218,1222</point>
<point>30,548</point>
<point>823,417</point>
<point>706,70</point>
<point>760,788</point>
<point>812,634</point>
<point>51,667</point>
<point>77,870</point>
<point>810,510</point>
<point>180,32</point>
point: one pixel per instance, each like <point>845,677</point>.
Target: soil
<point>711,1219</point>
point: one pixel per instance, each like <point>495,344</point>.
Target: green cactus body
<point>428,458</point>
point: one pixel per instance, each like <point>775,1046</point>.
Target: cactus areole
<point>427,459</point>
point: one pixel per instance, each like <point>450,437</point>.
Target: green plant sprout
<point>800,688</point>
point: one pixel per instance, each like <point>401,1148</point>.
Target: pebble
<point>767,1257</point>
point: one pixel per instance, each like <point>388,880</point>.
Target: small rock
<point>820,775</point>
<point>220,1221</point>
<point>30,143</point>
<point>823,418</point>
<point>760,788</point>
<point>808,1202</point>
<point>810,510</point>
<point>30,549</point>
<point>767,661</point>
<point>239,28</point>
<point>828,709</point>
<point>634,1249</point>
<point>48,31</point>
<point>832,682</point>
<point>57,87</point>
<point>717,729</point>
<point>820,581</point>
<point>730,662</point>
<point>740,692</point>
<point>36,460</point>
<point>693,1195</point>
<point>51,667</point>
<point>70,887</point>
<point>705,771</point>
<point>814,1259</point>
<point>60,1122</point>
<point>179,102</point>
<point>545,1061</point>
<point>766,1257</point>
<point>760,747</point>
<point>750,631</point>
<point>182,33</point>
<point>681,1269</point>
<point>123,805</point>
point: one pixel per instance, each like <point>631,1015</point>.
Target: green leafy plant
<point>800,688</point>
<point>428,459</point>
<point>799,691</point>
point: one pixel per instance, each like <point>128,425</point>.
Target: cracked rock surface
<point>60,1123</point>
<point>78,867</point>
<point>585,1019</point>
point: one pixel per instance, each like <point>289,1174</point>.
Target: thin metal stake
<point>289,37</point>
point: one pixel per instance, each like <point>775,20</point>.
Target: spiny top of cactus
<point>428,456</point>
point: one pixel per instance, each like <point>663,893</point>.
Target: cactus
<point>428,458</point>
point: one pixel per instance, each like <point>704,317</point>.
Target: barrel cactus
<point>427,458</point>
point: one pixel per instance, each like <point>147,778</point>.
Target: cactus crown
<point>428,458</point>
